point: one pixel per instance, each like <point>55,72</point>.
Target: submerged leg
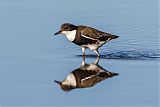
<point>96,51</point>
<point>83,51</point>
<point>83,61</point>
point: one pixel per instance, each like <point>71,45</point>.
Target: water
<point>32,57</point>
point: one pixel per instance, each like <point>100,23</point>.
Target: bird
<point>85,36</point>
<point>85,76</point>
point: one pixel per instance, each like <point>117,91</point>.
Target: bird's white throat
<point>70,34</point>
<point>70,80</point>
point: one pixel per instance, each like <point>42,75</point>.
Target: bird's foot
<point>96,51</point>
<point>83,55</point>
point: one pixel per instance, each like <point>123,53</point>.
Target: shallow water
<point>32,57</point>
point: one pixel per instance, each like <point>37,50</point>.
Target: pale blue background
<point>31,57</point>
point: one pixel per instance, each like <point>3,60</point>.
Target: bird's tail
<point>114,36</point>
<point>108,37</point>
<point>107,74</point>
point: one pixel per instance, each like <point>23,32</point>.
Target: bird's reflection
<point>87,75</point>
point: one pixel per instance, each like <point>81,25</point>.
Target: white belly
<point>102,42</point>
<point>94,46</point>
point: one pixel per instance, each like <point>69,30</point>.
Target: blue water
<point>31,57</point>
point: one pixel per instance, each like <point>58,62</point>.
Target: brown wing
<point>91,81</point>
<point>92,33</point>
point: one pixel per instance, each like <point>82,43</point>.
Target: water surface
<point>32,57</point>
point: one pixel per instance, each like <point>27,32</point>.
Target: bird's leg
<point>96,51</point>
<point>83,61</point>
<point>83,51</point>
<point>96,61</point>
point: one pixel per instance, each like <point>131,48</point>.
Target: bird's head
<point>66,88</point>
<point>66,28</point>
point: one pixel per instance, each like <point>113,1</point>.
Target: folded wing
<point>95,34</point>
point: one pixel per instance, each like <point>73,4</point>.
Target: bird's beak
<point>58,82</point>
<point>59,32</point>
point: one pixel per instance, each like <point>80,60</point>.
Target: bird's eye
<point>67,28</point>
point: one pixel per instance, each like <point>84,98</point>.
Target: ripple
<point>127,55</point>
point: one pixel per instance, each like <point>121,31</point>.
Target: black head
<point>66,27</point>
<point>64,87</point>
